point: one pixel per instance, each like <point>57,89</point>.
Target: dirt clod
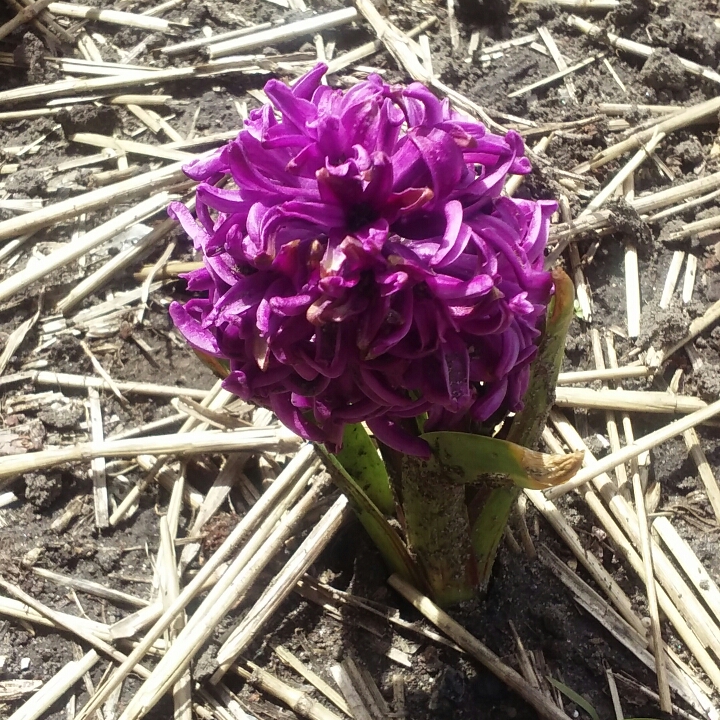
<point>87,118</point>
<point>42,490</point>
<point>663,71</point>
<point>63,417</point>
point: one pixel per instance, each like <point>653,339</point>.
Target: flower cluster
<point>361,265</point>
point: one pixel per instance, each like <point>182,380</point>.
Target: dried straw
<point>281,33</point>
<point>75,249</point>
<point>282,585</point>
<point>115,17</point>
<point>477,650</point>
<point>55,688</point>
<point>260,514</point>
<point>93,200</point>
<point>244,439</point>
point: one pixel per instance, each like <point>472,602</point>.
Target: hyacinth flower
<point>364,278</point>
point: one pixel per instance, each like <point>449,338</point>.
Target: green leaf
<point>363,463</point>
<point>579,700</point>
<point>467,458</point>
<point>489,526</point>
<point>528,424</point>
<point>387,541</point>
<point>220,367</point>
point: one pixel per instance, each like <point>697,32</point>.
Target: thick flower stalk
<point>360,263</point>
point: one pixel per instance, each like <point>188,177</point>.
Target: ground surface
<point>440,683</point>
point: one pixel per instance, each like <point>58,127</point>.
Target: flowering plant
<point>362,270</point>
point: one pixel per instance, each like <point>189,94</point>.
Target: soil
<point>440,684</point>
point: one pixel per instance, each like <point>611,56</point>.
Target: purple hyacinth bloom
<point>361,265</point>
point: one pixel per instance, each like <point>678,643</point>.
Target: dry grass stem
<point>397,43</point>
<point>217,494</point>
<point>690,116</point>
<point>170,590</point>
<point>636,643</point>
<point>590,562</point>
<point>636,48</point>
<point>289,31</point>
<point>109,85</point>
<point>693,633</point>
<point>26,15</point>
<point>313,678</point>
<point>615,695</point>
<point>664,198</point>
<point>370,48</point>
<point>293,475</point>
<point>97,465</point>
<point>79,382</point>
<point>158,469</point>
<point>115,17</point>
<point>11,690</point>
<point>352,696</point>
<point>55,688</point>
<point>477,650</point>
<point>682,207</point>
<point>556,76</point>
<point>582,293</point>
<point>692,442</point>
<point>697,227</point>
<point>54,35</point>
<point>91,588</point>
<point>632,290</point>
<point>689,280</point>
<point>15,340</point>
<point>282,585</point>
<point>453,26</point>
<point>113,266</point>
<point>295,699</point>
<point>578,377</point>
<point>707,711</point>
<point>580,4</point>
<point>59,620</point>
<point>325,595</point>
<point>649,578</point>
<point>600,221</point>
<point>610,419</point>
<point>644,444</point>
<point>190,45</point>
<point>244,439</point>
<point>676,599</point>
<point>625,108</point>
<point>526,666</point>
<point>697,326</point>
<point>93,200</point>
<point>233,584</point>
<point>557,56</point>
<point>671,279</point>
<point>21,611</point>
<point>26,114</point>
<point>686,558</point>
<point>617,181</point>
<point>628,400</point>
<point>131,146</point>
<point>615,76</point>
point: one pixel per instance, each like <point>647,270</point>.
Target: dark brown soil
<point>441,684</point>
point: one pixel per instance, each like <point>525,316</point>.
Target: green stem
<point>437,529</point>
<point>494,507</point>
